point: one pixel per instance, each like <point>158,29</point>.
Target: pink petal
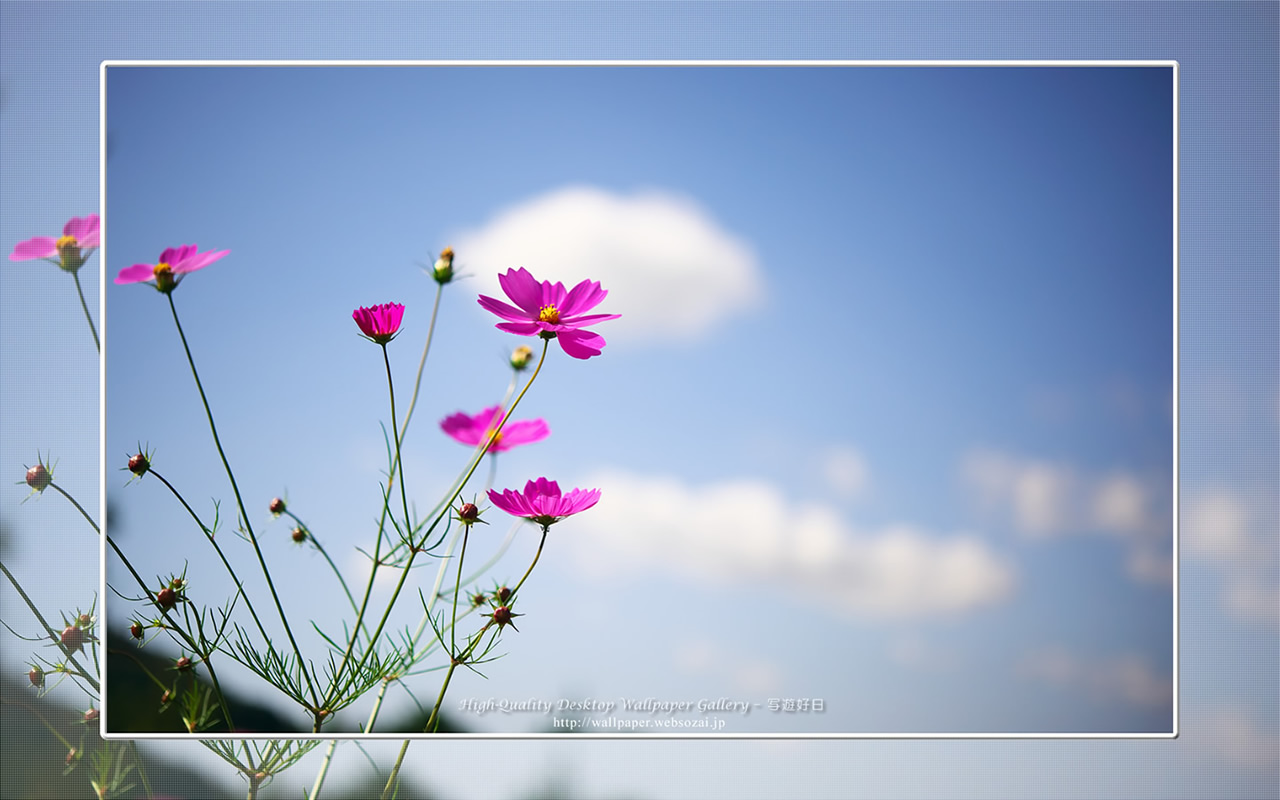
<point>136,274</point>
<point>553,294</point>
<point>583,297</point>
<point>196,261</point>
<point>580,344</point>
<point>505,311</point>
<point>586,319</point>
<point>520,328</point>
<point>38,247</point>
<point>525,431</point>
<point>85,229</point>
<point>523,289</point>
<point>580,500</point>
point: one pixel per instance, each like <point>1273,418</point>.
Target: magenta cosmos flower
<point>173,264</point>
<point>546,309</point>
<point>473,430</point>
<point>542,502</point>
<point>69,251</point>
<point>379,323</point>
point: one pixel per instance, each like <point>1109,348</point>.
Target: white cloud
<point>1232,735</point>
<point>1215,526</point>
<point>671,270</point>
<point>1126,678</point>
<point>846,471</point>
<point>748,532</point>
<point>1233,533</point>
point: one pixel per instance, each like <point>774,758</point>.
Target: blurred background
<point>901,336</point>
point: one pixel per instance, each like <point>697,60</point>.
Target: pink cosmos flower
<point>379,323</point>
<point>547,310</point>
<point>542,502</point>
<point>173,264</point>
<point>79,239</point>
<point>473,430</point>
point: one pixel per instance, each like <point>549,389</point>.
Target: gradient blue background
<point>1229,388</point>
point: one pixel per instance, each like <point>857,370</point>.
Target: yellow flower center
<point>162,269</point>
<point>67,242</point>
<point>549,314</point>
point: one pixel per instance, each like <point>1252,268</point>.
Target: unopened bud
<point>36,676</point>
<point>166,598</point>
<point>91,715</point>
<point>503,594</point>
<point>520,357</point>
<point>71,755</point>
<point>277,506</point>
<point>72,639</point>
<point>503,616</point>
<point>299,535</point>
<point>478,599</point>
<point>443,272</point>
<point>138,464</point>
<point>166,697</point>
<point>38,478</point>
<point>135,630</point>
<point>183,664</point>
<point>84,620</point>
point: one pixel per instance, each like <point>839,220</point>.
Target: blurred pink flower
<point>79,238</point>
<point>547,310</point>
<point>174,263</point>
<point>473,430</point>
<point>379,323</point>
<point>542,502</point>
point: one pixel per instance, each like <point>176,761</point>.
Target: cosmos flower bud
<point>166,598</point>
<point>299,535</point>
<point>520,357</point>
<point>478,599</point>
<point>503,616</point>
<point>135,630</point>
<point>91,715</point>
<point>503,594</point>
<point>443,272</point>
<point>84,620</point>
<point>36,676</point>
<point>182,664</point>
<point>38,477</point>
<point>277,506</point>
<point>138,464</point>
<point>72,639</point>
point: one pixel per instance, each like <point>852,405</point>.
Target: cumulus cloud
<point>746,531</point>
<point>1128,679</point>
<point>1235,534</point>
<point>672,270</point>
<point>1041,499</point>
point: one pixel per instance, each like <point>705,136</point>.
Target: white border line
<point>102,382</point>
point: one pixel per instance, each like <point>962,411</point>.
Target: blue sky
<point>855,383</point>
<point>893,372</point>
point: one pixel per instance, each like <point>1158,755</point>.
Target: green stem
<point>395,771</point>
<point>85,306</point>
<point>244,516</point>
<point>79,507</point>
<point>417,384</point>
<point>457,490</point>
<point>536,555</point>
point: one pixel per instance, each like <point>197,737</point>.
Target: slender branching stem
<point>244,516</point>
<point>53,634</point>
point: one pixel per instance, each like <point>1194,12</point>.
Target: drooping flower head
<point>472,430</point>
<point>542,502</point>
<point>174,263</point>
<point>547,310</point>
<point>379,323</point>
<point>79,238</point>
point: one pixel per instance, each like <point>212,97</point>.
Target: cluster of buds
<point>443,270</point>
